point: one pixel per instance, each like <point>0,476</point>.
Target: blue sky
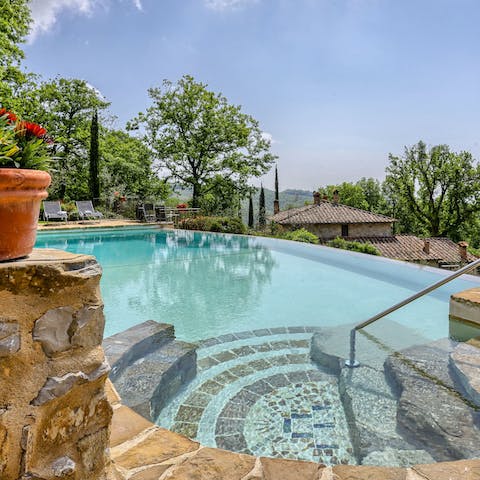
<point>338,84</point>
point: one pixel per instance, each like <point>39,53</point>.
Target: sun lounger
<point>53,211</point>
<point>87,210</point>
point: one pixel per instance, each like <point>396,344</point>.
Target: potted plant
<point>24,158</point>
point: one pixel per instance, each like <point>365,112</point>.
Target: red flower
<point>32,129</point>
<point>182,205</point>
<point>12,118</point>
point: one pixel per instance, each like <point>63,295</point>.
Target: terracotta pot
<point>21,192</point>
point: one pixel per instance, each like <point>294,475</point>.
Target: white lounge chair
<point>53,210</point>
<point>87,210</point>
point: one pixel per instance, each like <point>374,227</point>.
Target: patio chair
<point>53,211</point>
<point>87,210</point>
<point>146,212</point>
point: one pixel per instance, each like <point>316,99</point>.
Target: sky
<point>337,84</point>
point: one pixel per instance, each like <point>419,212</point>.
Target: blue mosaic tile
<point>325,445</point>
<point>301,415</point>
<point>301,435</point>
<point>287,425</point>
<point>324,425</point>
<point>320,407</point>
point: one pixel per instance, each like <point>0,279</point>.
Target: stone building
<point>330,219</point>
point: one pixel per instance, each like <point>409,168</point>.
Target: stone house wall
<point>329,231</point>
<point>54,414</point>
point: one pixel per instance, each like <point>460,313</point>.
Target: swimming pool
<point>210,284</point>
<point>271,320</point>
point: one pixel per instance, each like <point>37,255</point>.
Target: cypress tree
<point>262,220</point>
<point>276,185</point>
<point>94,158</point>
<point>250,212</point>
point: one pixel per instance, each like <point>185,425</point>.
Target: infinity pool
<point>270,320</point>
<point>209,284</point>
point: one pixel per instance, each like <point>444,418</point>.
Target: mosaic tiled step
<point>248,376</point>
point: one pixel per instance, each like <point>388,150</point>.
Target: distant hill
<point>289,198</point>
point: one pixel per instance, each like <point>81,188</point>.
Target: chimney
<point>316,198</point>
<point>426,246</point>
<point>462,250</point>
<point>276,207</point>
<point>336,197</point>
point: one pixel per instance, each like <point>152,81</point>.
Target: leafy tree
<point>440,188</point>
<point>350,194</point>
<point>372,191</point>
<point>126,168</point>
<point>14,26</point>
<point>65,108</point>
<point>197,135</point>
<point>94,158</point>
<point>250,212</point>
<point>262,220</point>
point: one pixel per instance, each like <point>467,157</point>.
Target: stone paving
<point>143,451</point>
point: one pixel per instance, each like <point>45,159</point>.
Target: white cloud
<point>220,5</point>
<point>46,13</point>
<point>98,93</point>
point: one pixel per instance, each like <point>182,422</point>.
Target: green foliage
<point>436,191</point>
<point>213,224</point>
<point>14,26</point>
<point>250,213</point>
<point>262,219</point>
<point>350,194</point>
<point>301,235</point>
<point>197,135</point>
<point>94,159</point>
<point>126,168</point>
<point>353,246</point>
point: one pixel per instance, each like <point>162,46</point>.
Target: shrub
<point>353,246</point>
<point>301,235</point>
<point>213,224</point>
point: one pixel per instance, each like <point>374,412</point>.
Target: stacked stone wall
<point>54,415</point>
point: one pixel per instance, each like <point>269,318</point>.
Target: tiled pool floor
<point>258,392</point>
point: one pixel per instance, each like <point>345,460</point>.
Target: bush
<point>301,235</point>
<point>353,246</point>
<point>213,224</point>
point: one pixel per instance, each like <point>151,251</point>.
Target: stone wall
<point>464,315</point>
<point>54,415</point>
<point>329,231</point>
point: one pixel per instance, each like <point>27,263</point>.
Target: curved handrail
<point>351,362</point>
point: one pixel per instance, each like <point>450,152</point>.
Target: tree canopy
<point>197,135</point>
<point>438,189</point>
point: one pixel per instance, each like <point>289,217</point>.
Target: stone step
<point>150,382</point>
<point>432,412</point>
<point>126,347</point>
<point>465,365</point>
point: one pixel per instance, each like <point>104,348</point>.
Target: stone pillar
<point>464,315</point>
<point>316,198</point>
<point>54,415</point>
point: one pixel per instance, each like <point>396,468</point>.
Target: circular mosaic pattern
<point>258,392</point>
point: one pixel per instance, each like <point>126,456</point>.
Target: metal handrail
<point>351,362</point>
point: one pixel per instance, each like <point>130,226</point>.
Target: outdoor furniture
<point>86,210</point>
<point>53,210</point>
<point>146,212</point>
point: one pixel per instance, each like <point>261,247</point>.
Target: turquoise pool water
<point>209,284</point>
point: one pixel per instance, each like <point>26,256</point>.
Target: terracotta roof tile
<point>328,212</point>
<point>410,247</point>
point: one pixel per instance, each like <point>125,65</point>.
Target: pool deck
<point>141,450</point>
<point>106,223</point>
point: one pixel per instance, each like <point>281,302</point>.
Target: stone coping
<point>50,226</point>
<point>141,450</point>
